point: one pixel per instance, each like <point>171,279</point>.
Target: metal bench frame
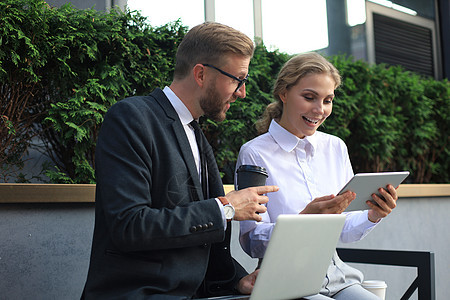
<point>423,261</point>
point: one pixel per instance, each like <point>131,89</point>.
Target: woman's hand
<point>329,204</point>
<point>384,206</point>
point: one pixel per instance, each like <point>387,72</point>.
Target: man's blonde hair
<point>209,43</point>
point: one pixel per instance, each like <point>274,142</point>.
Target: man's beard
<point>212,105</point>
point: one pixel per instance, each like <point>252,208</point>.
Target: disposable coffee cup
<point>249,176</point>
<point>377,287</point>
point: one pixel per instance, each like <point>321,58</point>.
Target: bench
<point>422,260</point>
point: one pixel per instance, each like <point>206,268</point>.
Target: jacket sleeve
<point>224,272</point>
<point>144,188</point>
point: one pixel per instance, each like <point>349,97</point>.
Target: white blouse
<point>304,169</point>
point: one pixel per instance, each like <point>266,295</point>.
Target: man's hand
<point>247,202</point>
<point>384,207</point>
<point>329,204</point>
<point>246,284</point>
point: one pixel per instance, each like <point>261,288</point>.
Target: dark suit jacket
<point>154,233</point>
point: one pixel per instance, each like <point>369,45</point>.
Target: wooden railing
<point>29,193</point>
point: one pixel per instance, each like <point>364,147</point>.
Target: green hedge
<point>22,33</point>
<point>77,63</point>
<point>392,119</point>
<point>82,62</point>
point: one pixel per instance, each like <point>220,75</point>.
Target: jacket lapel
<point>181,139</point>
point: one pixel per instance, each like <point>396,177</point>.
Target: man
<point>157,234</point>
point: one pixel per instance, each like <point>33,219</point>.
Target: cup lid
<point>252,168</point>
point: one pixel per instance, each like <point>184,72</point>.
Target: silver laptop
<point>297,257</point>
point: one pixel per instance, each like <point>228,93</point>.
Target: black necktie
<point>203,165</point>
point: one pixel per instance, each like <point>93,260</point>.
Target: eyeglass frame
<point>241,81</point>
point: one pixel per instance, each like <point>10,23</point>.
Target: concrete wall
<point>416,224</point>
<point>44,248</point>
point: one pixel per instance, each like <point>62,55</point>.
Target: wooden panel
<point>423,190</point>
<point>406,190</point>
<point>36,193</point>
<point>26,193</point>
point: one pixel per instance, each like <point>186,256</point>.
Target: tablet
<point>366,184</point>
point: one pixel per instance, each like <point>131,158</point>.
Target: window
<point>159,13</point>
<point>292,26</point>
<point>295,26</point>
<point>237,14</point>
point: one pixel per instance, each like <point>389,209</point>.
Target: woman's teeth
<point>311,120</point>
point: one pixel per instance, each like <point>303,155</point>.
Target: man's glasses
<point>241,82</point>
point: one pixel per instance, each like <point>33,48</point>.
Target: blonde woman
<point>309,167</point>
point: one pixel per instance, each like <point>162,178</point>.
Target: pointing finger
<point>266,189</point>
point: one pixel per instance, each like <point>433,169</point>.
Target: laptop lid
<point>297,257</point>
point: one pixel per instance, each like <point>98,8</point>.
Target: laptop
<point>297,257</point>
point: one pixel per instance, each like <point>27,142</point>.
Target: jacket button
<point>210,224</point>
<point>205,226</point>
<point>193,229</point>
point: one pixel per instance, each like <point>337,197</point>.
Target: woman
<point>309,166</point>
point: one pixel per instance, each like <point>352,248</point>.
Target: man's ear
<point>199,74</point>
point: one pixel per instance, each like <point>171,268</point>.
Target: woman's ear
<point>283,96</point>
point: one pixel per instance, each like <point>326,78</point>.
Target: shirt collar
<point>183,112</point>
<point>288,141</point>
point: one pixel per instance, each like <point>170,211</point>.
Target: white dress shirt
<point>186,117</point>
<point>304,169</point>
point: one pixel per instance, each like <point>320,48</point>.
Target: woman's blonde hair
<point>290,74</point>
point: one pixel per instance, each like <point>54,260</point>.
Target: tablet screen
<point>366,184</point>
